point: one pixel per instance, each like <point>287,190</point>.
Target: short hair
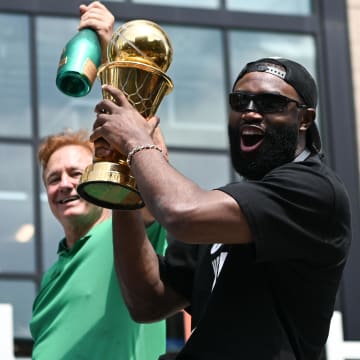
<point>54,142</point>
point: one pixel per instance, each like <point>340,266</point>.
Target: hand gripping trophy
<point>139,54</point>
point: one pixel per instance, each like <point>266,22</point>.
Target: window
<point>210,4</point>
<point>21,295</point>
<point>56,110</point>
<point>16,203</point>
<point>15,76</point>
<point>211,44</point>
<point>194,114</point>
<point>290,7</point>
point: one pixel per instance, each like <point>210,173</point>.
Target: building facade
<point>212,40</point>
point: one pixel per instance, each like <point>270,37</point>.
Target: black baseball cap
<point>299,78</point>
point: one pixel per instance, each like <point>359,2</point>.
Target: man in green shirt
<point>79,312</point>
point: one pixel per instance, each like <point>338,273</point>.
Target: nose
<point>65,182</point>
<point>251,114</point>
<point>251,106</point>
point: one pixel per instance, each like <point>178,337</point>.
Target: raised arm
<point>189,213</point>
<point>147,297</point>
<point>97,17</point>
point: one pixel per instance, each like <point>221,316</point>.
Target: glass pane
<point>56,110</point>
<point>20,294</point>
<point>15,76</point>
<point>185,122</point>
<point>16,205</point>
<point>209,4</point>
<point>52,232</point>
<point>207,170</point>
<point>194,113</point>
<point>291,7</point>
<point>255,45</point>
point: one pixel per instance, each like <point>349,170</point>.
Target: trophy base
<point>109,185</point>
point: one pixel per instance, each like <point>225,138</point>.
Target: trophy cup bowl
<point>138,54</point>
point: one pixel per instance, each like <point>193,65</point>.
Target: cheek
<point>289,116</point>
<point>51,192</point>
<point>234,117</point>
<point>280,122</point>
<point>234,120</point>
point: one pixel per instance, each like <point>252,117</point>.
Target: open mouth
<point>69,199</point>
<point>251,138</point>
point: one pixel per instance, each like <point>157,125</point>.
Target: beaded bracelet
<point>140,148</point>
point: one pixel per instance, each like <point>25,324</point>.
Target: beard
<point>278,148</point>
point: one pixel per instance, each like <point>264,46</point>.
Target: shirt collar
<point>63,248</point>
<point>303,155</point>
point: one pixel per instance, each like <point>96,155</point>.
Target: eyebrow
<point>55,172</point>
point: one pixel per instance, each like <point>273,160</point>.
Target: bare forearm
<point>169,198</point>
<point>137,269</point>
<point>189,213</point>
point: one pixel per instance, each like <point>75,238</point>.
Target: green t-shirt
<point>79,312</point>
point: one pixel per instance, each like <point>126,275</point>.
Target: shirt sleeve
<point>295,213</point>
<point>177,267</point>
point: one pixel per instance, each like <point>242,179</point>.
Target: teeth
<point>71,198</point>
<point>252,132</point>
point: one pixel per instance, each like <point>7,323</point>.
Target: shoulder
<point>303,195</point>
<point>307,180</point>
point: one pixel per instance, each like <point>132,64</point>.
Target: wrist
<point>139,148</point>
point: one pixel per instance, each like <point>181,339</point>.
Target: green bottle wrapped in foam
<point>78,64</point>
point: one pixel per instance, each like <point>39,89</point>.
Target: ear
<point>307,118</point>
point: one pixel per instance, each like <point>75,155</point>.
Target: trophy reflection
<point>139,54</point>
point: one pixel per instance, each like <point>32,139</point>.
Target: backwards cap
<point>299,78</point>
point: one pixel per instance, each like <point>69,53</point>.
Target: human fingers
<point>97,127</point>
<point>105,129</point>
<point>101,16</point>
<point>102,23</point>
<point>93,6</point>
<point>105,106</point>
<point>118,96</point>
<point>97,17</point>
<point>82,9</point>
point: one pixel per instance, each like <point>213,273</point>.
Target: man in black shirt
<point>257,263</point>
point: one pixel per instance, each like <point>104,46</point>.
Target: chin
<point>72,211</point>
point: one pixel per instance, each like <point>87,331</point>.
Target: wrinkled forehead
<point>69,156</point>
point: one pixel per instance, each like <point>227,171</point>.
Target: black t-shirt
<point>272,299</point>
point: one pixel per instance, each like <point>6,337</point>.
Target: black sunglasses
<point>265,103</point>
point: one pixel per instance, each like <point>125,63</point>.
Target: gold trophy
<point>139,54</point>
